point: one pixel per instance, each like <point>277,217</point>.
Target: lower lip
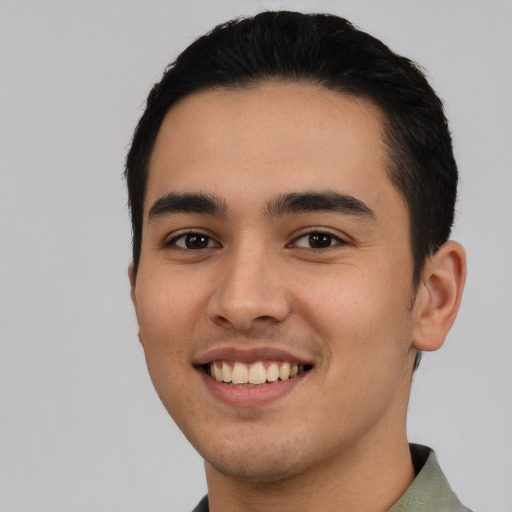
<point>251,396</point>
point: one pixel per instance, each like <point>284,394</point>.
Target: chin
<point>262,470</point>
<point>258,459</point>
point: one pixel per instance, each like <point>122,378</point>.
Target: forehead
<point>268,139</point>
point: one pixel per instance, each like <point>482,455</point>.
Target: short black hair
<point>326,50</point>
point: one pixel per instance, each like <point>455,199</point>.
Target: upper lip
<point>248,356</point>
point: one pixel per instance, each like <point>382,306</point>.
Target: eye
<point>193,241</point>
<point>318,240</point>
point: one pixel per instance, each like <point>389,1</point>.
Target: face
<point>274,292</point>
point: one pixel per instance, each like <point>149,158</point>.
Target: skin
<point>337,440</point>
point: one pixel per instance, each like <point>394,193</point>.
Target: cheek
<point>167,310</point>
<point>360,315</point>
<point>366,330</point>
<point>167,307</point>
<point>166,313</point>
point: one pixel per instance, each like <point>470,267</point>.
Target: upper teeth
<point>255,373</point>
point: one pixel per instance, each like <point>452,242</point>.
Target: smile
<point>255,374</point>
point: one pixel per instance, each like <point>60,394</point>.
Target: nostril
<point>265,318</point>
<point>220,320</point>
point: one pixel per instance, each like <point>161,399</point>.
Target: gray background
<point>81,428</point>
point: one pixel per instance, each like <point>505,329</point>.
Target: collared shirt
<point>429,492</point>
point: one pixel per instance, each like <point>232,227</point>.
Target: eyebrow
<point>187,203</point>
<point>284,204</point>
<point>322,201</point>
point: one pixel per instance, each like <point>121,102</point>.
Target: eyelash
<point>190,234</point>
<point>334,241</point>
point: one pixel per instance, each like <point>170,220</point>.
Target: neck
<point>368,477</point>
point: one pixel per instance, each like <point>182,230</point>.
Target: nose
<point>251,292</point>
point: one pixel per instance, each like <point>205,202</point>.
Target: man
<point>292,188</point>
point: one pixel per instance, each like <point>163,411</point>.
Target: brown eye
<point>317,240</point>
<point>194,241</point>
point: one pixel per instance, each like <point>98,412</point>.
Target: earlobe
<point>439,296</point>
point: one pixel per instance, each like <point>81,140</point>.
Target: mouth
<point>252,377</point>
<point>256,374</point>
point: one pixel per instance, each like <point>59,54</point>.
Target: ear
<point>439,295</point>
<point>133,279</point>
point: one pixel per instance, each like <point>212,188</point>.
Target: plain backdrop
<point>81,428</point>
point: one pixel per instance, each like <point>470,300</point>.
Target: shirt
<point>429,492</point>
